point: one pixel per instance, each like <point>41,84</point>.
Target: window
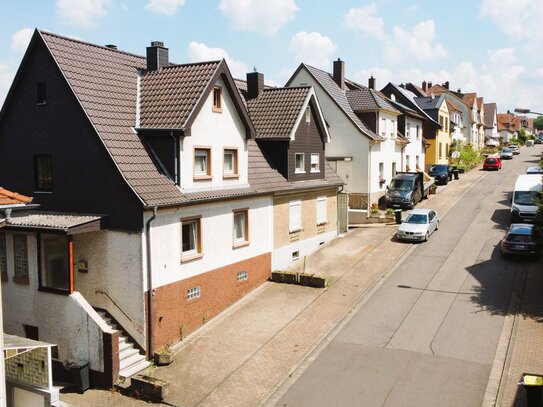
<point>441,120</point>
<point>300,162</point>
<point>3,258</point>
<point>407,130</point>
<point>230,163</point>
<point>20,252</point>
<point>417,162</point>
<point>418,133</point>
<point>440,150</point>
<point>393,169</point>
<point>407,163</point>
<point>383,128</point>
<point>315,157</point>
<point>446,124</point>
<point>295,216</point>
<point>381,171</point>
<point>392,130</point>
<point>194,292</point>
<point>41,93</point>
<point>241,226</point>
<point>321,210</point>
<point>202,163</point>
<point>54,262</point>
<point>242,275</point>
<point>43,173</point>
<point>191,245</point>
<point>217,99</point>
<point>308,114</point>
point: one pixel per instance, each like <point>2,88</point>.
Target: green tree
<point>538,123</point>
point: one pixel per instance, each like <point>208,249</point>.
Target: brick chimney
<point>339,73</point>
<point>157,56</point>
<point>371,82</point>
<point>429,84</point>
<point>424,86</point>
<point>446,85</point>
<point>255,84</point>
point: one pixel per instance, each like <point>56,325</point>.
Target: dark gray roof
<point>406,110</point>
<point>409,97</point>
<point>275,112</point>
<point>339,96</point>
<point>428,102</point>
<point>368,99</point>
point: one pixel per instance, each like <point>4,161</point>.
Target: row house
<point>508,126</point>
<point>492,137</point>
<point>477,136</point>
<point>159,205</point>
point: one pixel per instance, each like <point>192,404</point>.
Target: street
<point>428,335</point>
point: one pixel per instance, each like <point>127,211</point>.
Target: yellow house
<point>438,138</point>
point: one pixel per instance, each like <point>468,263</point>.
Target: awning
<point>69,223</point>
<point>15,345</point>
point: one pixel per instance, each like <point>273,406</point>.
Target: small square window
<point>300,163</point>
<point>296,255</point>
<point>230,163</point>
<point>41,93</point>
<point>241,226</point>
<point>191,245</point>
<point>194,292</point>
<point>242,275</point>
<point>315,166</point>
<point>202,163</point>
<point>43,173</point>
<point>217,99</point>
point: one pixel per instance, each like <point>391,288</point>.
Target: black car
<point>520,239</point>
<point>442,173</point>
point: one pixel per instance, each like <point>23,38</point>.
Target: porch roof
<point>70,223</point>
<point>15,345</point>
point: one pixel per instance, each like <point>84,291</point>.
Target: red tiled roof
<point>452,106</point>
<point>13,198</point>
<point>469,98</point>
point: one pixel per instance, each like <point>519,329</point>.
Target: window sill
<point>237,245</point>
<point>54,290</point>
<point>21,280</point>
<point>295,231</point>
<point>315,171</point>
<point>191,257</point>
<point>217,109</point>
<point>41,103</point>
<point>43,192</point>
<point>322,223</point>
<point>230,176</point>
<point>202,178</point>
<point>300,172</point>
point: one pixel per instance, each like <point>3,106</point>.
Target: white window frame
<point>315,162</point>
<point>295,215</point>
<point>242,275</point>
<point>196,232</point>
<point>194,292</point>
<point>298,170</point>
<point>322,212</point>
<point>244,238</point>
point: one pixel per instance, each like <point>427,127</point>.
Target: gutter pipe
<point>150,292</point>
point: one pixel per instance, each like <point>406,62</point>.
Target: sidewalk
<point>241,357</point>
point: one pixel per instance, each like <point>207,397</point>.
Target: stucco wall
<point>215,130</point>
<point>115,267</point>
<point>65,320</point>
<point>415,147</point>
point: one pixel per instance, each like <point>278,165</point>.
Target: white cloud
<point>517,18</point>
<point>258,15</point>
<point>7,73</point>
<point>198,52</point>
<point>166,7</point>
<point>417,42</point>
<point>20,40</point>
<point>312,48</point>
<point>82,12</point>
<point>382,76</point>
<point>363,21</point>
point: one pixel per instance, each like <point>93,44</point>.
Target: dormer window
<point>230,163</point>
<point>217,99</point>
<point>315,159</point>
<point>41,93</point>
<point>202,163</point>
<point>300,163</point>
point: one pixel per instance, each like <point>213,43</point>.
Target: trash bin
<point>80,375</point>
<point>455,173</point>
<point>533,384</point>
<point>398,216</point>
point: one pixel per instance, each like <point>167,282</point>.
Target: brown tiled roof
<point>104,80</point>
<point>169,96</point>
<point>275,112</point>
<point>13,198</point>
<point>437,89</point>
<point>479,103</point>
<point>490,110</point>
<point>508,121</point>
<point>469,98</point>
<point>368,99</point>
<point>452,106</point>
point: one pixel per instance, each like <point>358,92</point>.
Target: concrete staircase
<point>130,359</point>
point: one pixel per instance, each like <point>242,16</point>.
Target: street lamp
<point>526,111</point>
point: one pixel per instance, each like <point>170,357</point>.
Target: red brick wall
<point>173,313</point>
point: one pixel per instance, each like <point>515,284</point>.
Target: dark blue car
<point>442,173</point>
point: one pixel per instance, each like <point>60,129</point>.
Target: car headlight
<point>515,208</point>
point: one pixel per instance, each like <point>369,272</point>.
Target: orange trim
<point>71,249</point>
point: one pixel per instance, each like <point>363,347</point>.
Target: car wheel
<point>446,182</point>
<point>437,225</point>
<point>426,236</point>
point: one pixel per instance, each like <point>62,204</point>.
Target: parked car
<point>529,143</point>
<point>534,170</point>
<point>506,154</point>
<point>520,239</point>
<point>514,148</point>
<point>538,141</point>
<point>407,189</point>
<point>442,173</point>
<point>492,163</point>
<point>418,225</point>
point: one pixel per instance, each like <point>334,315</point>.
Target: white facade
<point>282,257</point>
<point>413,153</point>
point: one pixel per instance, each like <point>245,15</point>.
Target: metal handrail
<point>114,303</point>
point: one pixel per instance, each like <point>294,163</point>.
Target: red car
<point>492,163</point>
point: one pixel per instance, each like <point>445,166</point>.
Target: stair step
<point>132,359</point>
<point>135,368</point>
<point>127,352</point>
<point>124,345</point>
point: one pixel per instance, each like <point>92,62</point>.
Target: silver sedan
<point>418,225</point>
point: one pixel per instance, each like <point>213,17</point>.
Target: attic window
<point>202,163</point>
<point>41,93</point>
<point>217,99</point>
<point>307,114</point>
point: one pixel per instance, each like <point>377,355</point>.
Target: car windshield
<point>438,168</point>
<point>491,161</point>
<point>417,218</point>
<point>525,197</point>
<point>402,184</point>
<point>506,150</point>
<point>519,238</point>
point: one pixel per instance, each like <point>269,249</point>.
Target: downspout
<point>372,143</point>
<point>339,191</point>
<point>149,286</point>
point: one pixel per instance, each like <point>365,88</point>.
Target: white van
<point>524,201</point>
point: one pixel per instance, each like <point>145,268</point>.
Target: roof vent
<point>157,44</point>
<point>111,46</point>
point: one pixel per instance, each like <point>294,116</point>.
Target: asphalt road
<point>428,335</point>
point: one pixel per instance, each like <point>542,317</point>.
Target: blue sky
<point>492,47</point>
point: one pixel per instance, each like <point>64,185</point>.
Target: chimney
<point>255,84</point>
<point>429,84</point>
<point>111,46</point>
<point>157,56</point>
<point>446,85</point>
<point>459,90</point>
<point>339,73</point>
<point>371,82</point>
<point>424,86</point>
